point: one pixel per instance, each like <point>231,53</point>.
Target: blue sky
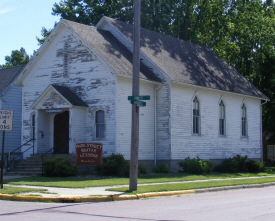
<point>21,21</point>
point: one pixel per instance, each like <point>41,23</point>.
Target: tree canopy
<point>17,57</point>
<point>240,31</point>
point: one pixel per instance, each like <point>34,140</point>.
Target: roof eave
<point>230,92</point>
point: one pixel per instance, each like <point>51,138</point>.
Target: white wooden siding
<point>43,125</point>
<point>146,117</point>
<point>11,100</point>
<point>88,77</point>
<point>78,126</point>
<point>164,122</point>
<point>209,145</point>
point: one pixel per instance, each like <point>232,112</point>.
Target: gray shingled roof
<point>112,51</point>
<point>70,96</point>
<point>188,63</point>
<point>182,61</point>
<point>7,75</point>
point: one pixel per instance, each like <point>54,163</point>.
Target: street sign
<point>138,103</point>
<point>6,117</point>
<point>138,98</point>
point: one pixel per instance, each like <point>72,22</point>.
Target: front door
<point>61,133</point>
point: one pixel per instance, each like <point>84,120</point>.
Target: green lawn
<point>194,185</point>
<point>73,182</point>
<point>16,190</point>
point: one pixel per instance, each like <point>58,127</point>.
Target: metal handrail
<point>21,146</point>
<point>20,153</point>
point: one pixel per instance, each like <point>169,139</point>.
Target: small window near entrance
<point>100,124</point>
<point>33,126</point>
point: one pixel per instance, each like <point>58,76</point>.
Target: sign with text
<point>6,118</point>
<point>88,154</point>
<point>138,98</point>
<point>53,111</point>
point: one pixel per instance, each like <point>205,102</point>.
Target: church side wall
<point>163,123</point>
<point>209,145</point>
<point>88,77</point>
<point>146,124</point>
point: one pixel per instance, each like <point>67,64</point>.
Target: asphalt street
<point>239,205</point>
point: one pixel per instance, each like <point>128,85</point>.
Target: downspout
<point>261,132</point>
<point>155,144</point>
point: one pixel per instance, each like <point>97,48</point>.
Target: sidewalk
<point>94,194</point>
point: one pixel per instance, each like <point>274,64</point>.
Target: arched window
<point>100,124</point>
<point>196,116</point>
<point>244,121</point>
<point>222,119</point>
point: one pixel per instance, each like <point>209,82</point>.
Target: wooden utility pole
<point>135,92</point>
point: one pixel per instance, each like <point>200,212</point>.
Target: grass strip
<point>194,185</point>
<point>17,190</point>
<point>73,182</point>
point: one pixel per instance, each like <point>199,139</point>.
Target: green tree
<point>45,33</point>
<point>17,57</point>
<point>240,31</point>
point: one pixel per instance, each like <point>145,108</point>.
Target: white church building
<point>75,90</point>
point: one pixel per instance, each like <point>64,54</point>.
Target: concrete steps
<point>33,165</point>
<point>30,166</point>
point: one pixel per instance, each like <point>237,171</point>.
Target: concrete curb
<point>81,199</point>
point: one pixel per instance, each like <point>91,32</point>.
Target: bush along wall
<point>114,165</point>
<point>196,166</point>
<point>59,167</point>
<point>161,168</point>
<point>239,164</point>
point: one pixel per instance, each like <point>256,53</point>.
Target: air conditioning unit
<point>271,152</point>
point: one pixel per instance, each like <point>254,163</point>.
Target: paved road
<point>248,204</point>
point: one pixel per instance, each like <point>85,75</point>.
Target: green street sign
<point>138,103</point>
<point>138,98</point>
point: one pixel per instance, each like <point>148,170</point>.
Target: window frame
<point>196,117</point>
<point>222,119</point>
<point>100,127</point>
<point>244,126</point>
<point>33,126</point>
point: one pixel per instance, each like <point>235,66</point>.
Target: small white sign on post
<point>6,119</point>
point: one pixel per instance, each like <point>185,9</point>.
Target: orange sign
<point>88,154</point>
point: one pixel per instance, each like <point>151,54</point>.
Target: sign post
<point>6,119</point>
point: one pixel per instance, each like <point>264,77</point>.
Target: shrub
<point>232,165</point>
<point>114,165</point>
<point>196,166</point>
<point>239,164</point>
<point>255,166</point>
<point>59,167</point>
<point>142,169</point>
<point>207,166</point>
<point>161,168</point>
